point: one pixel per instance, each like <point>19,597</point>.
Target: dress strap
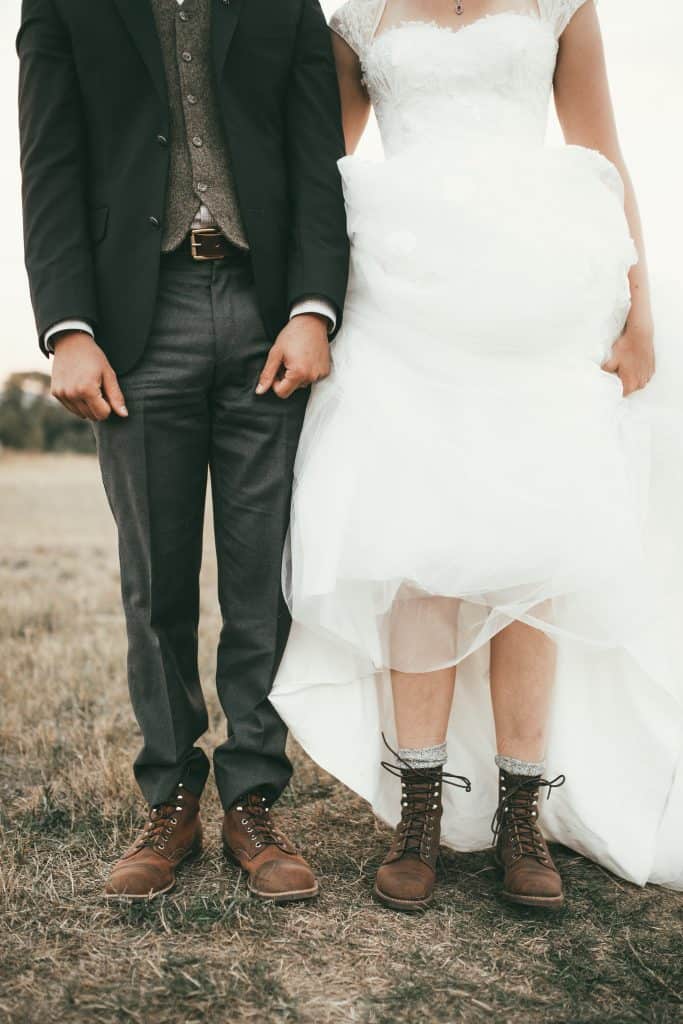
<point>357,21</point>
<point>558,13</point>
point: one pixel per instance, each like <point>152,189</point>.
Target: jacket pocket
<point>99,218</point>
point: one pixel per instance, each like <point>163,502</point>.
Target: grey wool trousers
<point>193,411</point>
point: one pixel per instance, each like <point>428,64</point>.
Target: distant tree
<point>31,420</point>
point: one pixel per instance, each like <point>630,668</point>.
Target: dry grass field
<point>208,954</point>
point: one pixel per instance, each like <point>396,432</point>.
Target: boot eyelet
<point>174,821</point>
<point>245,821</point>
<point>258,846</point>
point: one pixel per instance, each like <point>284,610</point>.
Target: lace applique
<point>356,22</point>
<point>559,13</point>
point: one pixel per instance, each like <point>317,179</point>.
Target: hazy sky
<point>644,52</point>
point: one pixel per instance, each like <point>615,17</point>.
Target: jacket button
<point>155,223</point>
<point>162,140</point>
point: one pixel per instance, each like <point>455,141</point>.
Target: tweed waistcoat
<point>199,171</point>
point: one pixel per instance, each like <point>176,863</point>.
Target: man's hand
<point>83,380</point>
<point>300,356</point>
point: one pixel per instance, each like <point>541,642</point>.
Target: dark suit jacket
<point>92,105</point>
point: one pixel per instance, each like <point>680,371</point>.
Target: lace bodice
<point>489,80</point>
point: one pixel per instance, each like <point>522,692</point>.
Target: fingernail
<point>260,388</point>
<point>124,411</point>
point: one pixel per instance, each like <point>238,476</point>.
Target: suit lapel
<point>224,17</point>
<point>139,20</point>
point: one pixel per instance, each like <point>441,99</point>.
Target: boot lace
<point>420,792</point>
<point>517,812</point>
<point>256,819</point>
<point>162,822</point>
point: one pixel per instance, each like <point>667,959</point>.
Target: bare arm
<point>584,108</point>
<point>354,98</point>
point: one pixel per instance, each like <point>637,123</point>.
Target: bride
<point>474,495</point>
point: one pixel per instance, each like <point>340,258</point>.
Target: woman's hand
<point>633,359</point>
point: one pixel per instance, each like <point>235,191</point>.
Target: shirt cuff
<point>313,305</point>
<point>66,325</point>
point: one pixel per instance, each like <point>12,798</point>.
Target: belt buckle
<point>195,244</point>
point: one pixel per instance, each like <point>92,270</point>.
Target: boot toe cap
<point>137,882</point>
<point>405,880</point>
<point>535,882</point>
<point>282,877</point>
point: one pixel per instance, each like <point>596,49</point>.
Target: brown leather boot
<point>530,877</point>
<point>406,879</point>
<point>254,842</point>
<point>173,834</point>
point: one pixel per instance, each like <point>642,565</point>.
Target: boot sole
<point>293,896</point>
<point>124,897</point>
<point>553,903</point>
<point>407,906</point>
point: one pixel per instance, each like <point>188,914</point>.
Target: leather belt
<point>209,244</point>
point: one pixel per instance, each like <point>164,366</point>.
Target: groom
<point>187,255</point>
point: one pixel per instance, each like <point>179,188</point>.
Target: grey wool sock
<point>423,757</point>
<point>514,766</point>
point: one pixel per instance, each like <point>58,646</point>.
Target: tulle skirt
<point>469,464</point>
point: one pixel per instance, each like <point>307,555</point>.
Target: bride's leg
<point>522,675</point>
<point>422,706</point>
<point>422,627</point>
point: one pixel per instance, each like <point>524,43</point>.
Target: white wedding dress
<point>468,463</point>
